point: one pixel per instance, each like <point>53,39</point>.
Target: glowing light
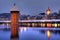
<point>55,25</point>
<point>43,25</point>
<point>28,24</point>
<point>48,11</point>
<point>33,24</point>
<point>48,24</point>
<point>48,34</point>
<point>25,28</point>
<point>58,25</point>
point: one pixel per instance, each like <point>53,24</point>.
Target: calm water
<point>30,33</point>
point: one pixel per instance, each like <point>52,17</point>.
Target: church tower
<point>48,11</point>
<point>14,21</point>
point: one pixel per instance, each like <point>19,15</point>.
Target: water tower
<point>14,21</point>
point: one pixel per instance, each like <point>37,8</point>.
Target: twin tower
<point>14,22</point>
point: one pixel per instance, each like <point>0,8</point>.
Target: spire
<point>14,8</point>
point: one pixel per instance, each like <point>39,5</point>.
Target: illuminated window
<point>39,24</point>
<point>58,25</point>
<point>54,25</point>
<point>24,23</point>
<point>28,24</point>
<point>33,24</point>
<point>48,24</point>
<point>42,24</point>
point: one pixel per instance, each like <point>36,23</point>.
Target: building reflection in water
<point>48,33</point>
<point>22,29</point>
<point>14,39</point>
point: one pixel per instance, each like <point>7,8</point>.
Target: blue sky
<point>31,7</point>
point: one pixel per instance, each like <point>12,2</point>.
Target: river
<point>31,33</point>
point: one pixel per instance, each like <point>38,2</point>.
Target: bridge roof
<point>55,20</point>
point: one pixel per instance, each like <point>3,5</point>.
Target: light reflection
<point>48,34</point>
<point>14,39</point>
<point>7,25</point>
<point>23,29</point>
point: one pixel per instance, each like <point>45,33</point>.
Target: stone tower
<point>14,22</point>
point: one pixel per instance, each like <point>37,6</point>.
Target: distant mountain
<point>5,15</point>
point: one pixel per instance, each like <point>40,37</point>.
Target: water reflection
<point>30,33</point>
<point>22,29</point>
<point>14,39</point>
<point>48,33</point>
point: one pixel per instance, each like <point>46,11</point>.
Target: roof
<point>14,8</point>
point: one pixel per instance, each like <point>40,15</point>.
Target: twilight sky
<point>32,7</point>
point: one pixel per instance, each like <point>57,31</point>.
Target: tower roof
<point>14,8</point>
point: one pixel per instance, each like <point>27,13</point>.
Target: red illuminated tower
<point>14,22</point>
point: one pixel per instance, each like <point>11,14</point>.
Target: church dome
<point>48,11</point>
